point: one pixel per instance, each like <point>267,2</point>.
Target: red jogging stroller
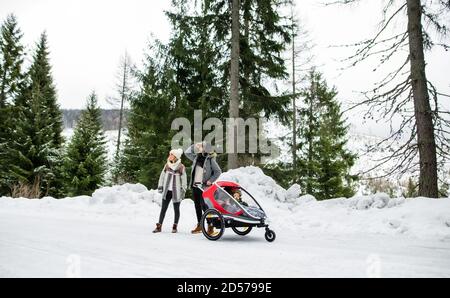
<point>240,213</point>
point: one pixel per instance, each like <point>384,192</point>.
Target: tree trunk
<point>234,80</point>
<point>294,106</point>
<point>2,91</point>
<point>122,100</point>
<point>310,134</point>
<point>423,115</point>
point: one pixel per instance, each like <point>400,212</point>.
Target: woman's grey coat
<point>211,170</point>
<point>180,183</point>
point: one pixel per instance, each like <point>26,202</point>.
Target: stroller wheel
<point>213,217</point>
<point>242,231</point>
<point>270,235</point>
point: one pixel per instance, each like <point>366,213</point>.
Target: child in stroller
<point>237,195</point>
<point>228,204</point>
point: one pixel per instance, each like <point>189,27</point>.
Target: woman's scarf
<point>172,169</point>
<point>174,165</point>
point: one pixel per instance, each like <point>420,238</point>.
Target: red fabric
<point>209,194</point>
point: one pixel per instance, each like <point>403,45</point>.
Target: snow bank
<point>293,192</point>
<point>287,209</point>
<point>123,194</point>
<point>377,213</point>
<point>128,201</point>
<point>418,217</point>
<point>257,183</point>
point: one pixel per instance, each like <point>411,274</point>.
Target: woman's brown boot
<point>198,229</point>
<point>157,229</point>
<point>174,228</point>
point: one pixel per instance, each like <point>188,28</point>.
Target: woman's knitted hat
<point>177,153</point>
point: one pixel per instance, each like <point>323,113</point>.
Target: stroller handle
<point>198,185</point>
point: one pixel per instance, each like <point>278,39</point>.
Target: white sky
<point>87,39</point>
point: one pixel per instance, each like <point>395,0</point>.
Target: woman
<point>172,184</point>
<point>205,171</point>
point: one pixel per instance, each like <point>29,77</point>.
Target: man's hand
<point>208,183</point>
<point>199,147</point>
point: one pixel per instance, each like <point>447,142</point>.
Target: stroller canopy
<point>219,196</point>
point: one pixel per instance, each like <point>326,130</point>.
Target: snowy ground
<point>109,235</point>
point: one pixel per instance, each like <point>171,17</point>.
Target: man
<point>205,171</point>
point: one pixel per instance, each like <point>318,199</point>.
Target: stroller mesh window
<point>250,206</point>
<point>224,199</point>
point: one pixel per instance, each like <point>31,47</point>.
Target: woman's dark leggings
<point>165,204</point>
<point>199,203</point>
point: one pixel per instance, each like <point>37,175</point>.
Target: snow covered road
<point>109,234</point>
<point>36,244</point>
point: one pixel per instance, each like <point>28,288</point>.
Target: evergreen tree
<point>11,78</point>
<point>192,72</point>
<point>201,49</point>
<point>411,189</point>
<point>192,59</point>
<point>324,162</point>
<point>85,160</point>
<point>124,91</point>
<point>300,59</point>
<point>41,81</point>
<point>178,78</point>
<point>149,122</point>
<point>264,35</point>
<point>11,60</point>
<point>34,152</point>
<point>444,188</point>
<point>196,77</point>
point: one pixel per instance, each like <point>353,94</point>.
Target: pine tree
<point>85,160</point>
<point>192,71</point>
<point>264,35</point>
<point>196,77</point>
<point>192,59</point>
<point>11,78</point>
<point>41,80</point>
<point>300,58</point>
<point>411,189</point>
<point>177,79</point>
<point>11,60</point>
<point>324,162</point>
<point>124,91</point>
<point>166,84</point>
<point>201,49</point>
<point>34,152</point>
<point>149,131</point>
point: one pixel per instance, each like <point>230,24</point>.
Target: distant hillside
<point>110,119</point>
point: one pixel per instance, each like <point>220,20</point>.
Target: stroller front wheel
<point>270,235</point>
<point>213,217</point>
